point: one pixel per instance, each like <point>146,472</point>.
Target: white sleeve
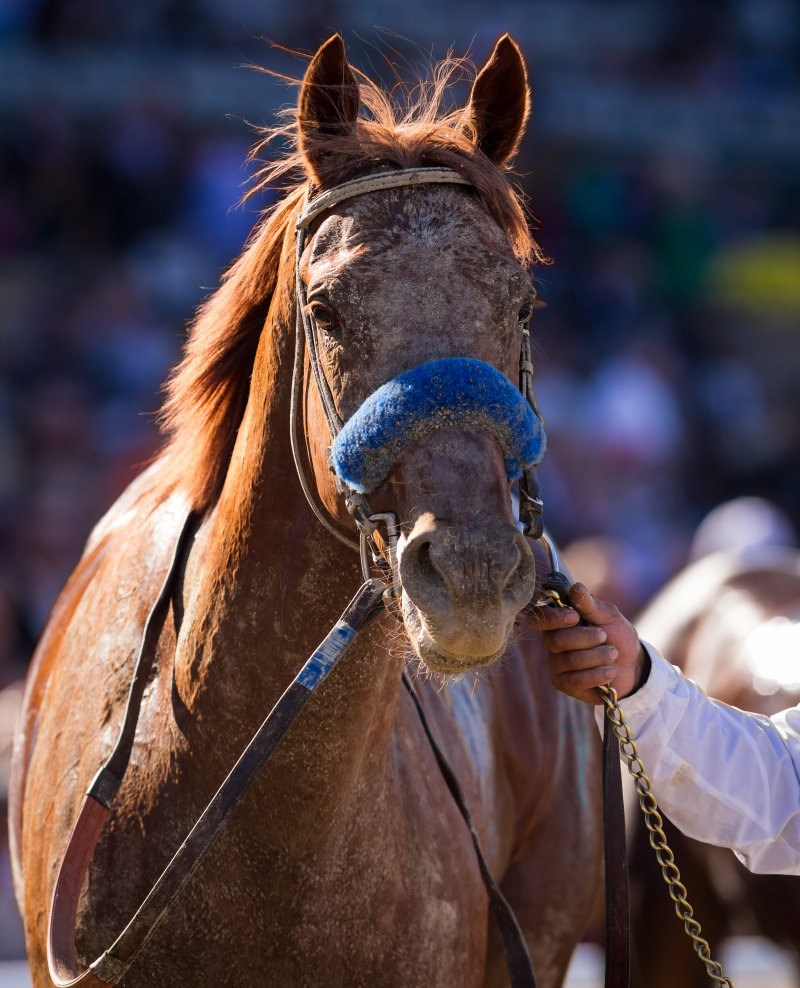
<point>721,775</point>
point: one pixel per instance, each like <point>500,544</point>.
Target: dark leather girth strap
<point>616,865</point>
<point>518,959</point>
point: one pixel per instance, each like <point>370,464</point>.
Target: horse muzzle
<point>462,589</point>
<point>456,433</point>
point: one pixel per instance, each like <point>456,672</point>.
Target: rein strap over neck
<point>110,967</point>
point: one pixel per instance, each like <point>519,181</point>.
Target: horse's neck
<point>264,585</point>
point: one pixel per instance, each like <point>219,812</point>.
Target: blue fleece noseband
<point>455,391</point>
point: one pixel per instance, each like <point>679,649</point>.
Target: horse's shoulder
<point>511,721</point>
<point>137,504</point>
<point>513,699</point>
<point>122,565</point>
<point>92,634</point>
<point>87,646</point>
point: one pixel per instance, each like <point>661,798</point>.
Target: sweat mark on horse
<point>347,861</point>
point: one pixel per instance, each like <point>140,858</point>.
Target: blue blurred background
<point>662,161</point>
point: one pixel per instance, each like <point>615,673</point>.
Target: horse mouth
<point>461,590</point>
<point>431,649</point>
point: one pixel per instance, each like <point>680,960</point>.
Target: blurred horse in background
<point>731,622</point>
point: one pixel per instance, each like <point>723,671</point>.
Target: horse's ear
<point>328,105</point>
<point>500,101</point>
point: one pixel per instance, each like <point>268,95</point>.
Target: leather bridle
<point>530,502</point>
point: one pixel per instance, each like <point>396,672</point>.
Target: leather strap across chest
<point>110,967</point>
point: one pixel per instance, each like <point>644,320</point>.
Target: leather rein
<point>110,967</point>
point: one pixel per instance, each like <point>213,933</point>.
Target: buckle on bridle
<point>531,505</point>
<point>371,555</point>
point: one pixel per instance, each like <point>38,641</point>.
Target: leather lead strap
<point>616,866</point>
<point>556,586</point>
<point>518,958</point>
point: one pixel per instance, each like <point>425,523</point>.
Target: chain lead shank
<point>658,840</point>
<point>554,593</point>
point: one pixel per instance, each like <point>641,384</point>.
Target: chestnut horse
<point>347,863</point>
<point>731,621</point>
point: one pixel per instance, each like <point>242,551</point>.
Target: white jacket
<point>720,774</point>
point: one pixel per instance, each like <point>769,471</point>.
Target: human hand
<point>604,650</point>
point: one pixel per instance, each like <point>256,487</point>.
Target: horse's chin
<point>438,657</point>
<point>439,661</point>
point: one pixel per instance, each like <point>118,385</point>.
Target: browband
<point>404,177</point>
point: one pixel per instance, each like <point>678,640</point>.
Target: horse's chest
<point>378,903</point>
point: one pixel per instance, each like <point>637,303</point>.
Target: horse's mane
<point>207,391</point>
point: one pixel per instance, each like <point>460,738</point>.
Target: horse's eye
<point>326,317</point>
<point>525,313</point>
<point>528,308</point>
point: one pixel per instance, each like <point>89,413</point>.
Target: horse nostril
<point>521,575</point>
<point>426,570</point>
<point>426,567</point>
<point>420,576</point>
<point>516,572</point>
<point>445,568</point>
<point>511,564</point>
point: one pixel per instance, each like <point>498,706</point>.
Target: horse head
<point>416,305</point>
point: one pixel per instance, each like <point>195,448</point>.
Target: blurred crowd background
<point>662,162</point>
